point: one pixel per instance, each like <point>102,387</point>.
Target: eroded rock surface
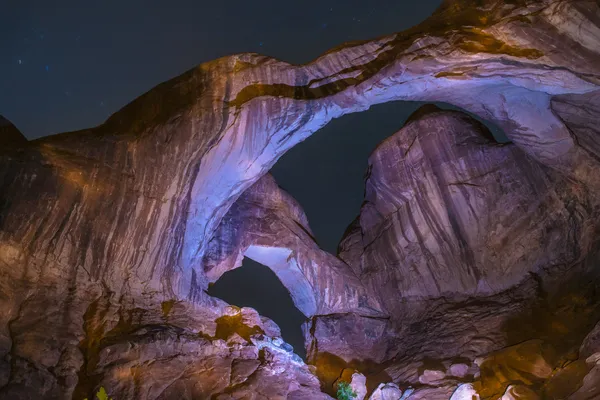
<point>105,232</point>
<point>477,244</point>
<point>389,391</point>
<point>267,225</point>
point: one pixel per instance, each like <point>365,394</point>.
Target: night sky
<point>69,67</point>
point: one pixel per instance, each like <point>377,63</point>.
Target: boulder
<point>386,391</point>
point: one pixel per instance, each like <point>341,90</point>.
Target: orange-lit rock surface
<point>465,248</point>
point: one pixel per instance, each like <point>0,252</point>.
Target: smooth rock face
<point>458,370</point>
<point>465,392</point>
<point>358,383</point>
<point>386,391</point>
<point>519,392</point>
<point>465,237</point>
<point>110,236</point>
<point>431,376</point>
<point>590,388</point>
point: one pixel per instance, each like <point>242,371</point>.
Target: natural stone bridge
<point>110,236</point>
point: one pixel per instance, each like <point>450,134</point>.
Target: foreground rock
<point>101,228</point>
<point>388,391</point>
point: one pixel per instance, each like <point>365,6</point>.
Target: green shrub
<point>345,392</point>
<point>101,395</point>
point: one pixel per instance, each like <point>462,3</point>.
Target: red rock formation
<point>450,212</point>
<point>101,230</point>
<point>472,246</point>
<point>267,225</point>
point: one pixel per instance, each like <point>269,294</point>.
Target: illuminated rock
<point>431,377</point>
<point>590,387</point>
<point>386,391</point>
<point>458,370</point>
<point>356,381</point>
<point>443,205</point>
<point>519,392</point>
<point>267,225</point>
<point>465,392</point>
<point>104,232</point>
<point>458,236</point>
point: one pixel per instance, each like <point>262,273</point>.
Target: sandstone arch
<point>117,219</point>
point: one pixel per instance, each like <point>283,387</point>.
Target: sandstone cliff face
<point>101,230</point>
<point>472,247</point>
<point>450,212</point>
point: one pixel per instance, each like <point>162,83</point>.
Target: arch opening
<point>325,173</point>
<point>256,285</point>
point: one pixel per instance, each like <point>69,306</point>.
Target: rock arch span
<point>267,225</point>
<point>116,219</point>
<point>215,130</point>
<point>289,274</point>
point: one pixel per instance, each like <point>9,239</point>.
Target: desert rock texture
<point>471,271</point>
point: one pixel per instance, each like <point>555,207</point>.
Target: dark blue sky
<point>68,64</point>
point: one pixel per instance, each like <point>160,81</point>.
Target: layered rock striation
<point>105,232</point>
<point>267,225</point>
<point>474,247</point>
<point>450,212</point>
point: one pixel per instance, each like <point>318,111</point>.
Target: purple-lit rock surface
<point>269,226</point>
<point>472,246</point>
<point>450,212</point>
<point>466,251</point>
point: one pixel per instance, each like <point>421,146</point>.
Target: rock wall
<point>450,212</point>
<point>472,247</point>
<point>101,229</point>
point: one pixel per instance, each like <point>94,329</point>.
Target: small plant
<point>101,395</point>
<point>345,392</point>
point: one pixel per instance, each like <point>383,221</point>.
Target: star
<point>20,62</point>
<point>47,68</point>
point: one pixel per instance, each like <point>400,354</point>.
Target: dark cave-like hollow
<point>255,285</point>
